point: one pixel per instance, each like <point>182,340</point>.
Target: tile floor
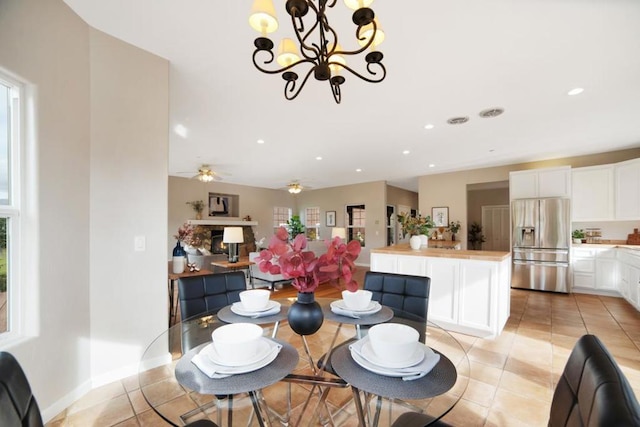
<point>511,382</point>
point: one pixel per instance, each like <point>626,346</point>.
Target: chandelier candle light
<point>318,43</point>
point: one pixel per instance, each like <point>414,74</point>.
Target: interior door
<point>495,227</point>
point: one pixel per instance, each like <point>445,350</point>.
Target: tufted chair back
<point>592,390</point>
<point>18,407</point>
<point>407,296</point>
<point>210,293</point>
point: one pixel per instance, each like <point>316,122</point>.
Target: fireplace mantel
<point>224,222</point>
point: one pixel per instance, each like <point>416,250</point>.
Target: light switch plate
<point>139,243</point>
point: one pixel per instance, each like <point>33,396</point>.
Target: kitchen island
<point>469,289</point>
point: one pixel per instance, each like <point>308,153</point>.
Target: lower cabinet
<point>468,296</point>
<point>595,270</point>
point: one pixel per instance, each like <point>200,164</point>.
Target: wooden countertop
<point>405,249</point>
<point>605,245</point>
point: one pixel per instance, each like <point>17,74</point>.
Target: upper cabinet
<point>550,182</point>
<point>627,190</point>
<point>592,197</point>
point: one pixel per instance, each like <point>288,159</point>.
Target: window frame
<point>24,299</point>
<point>277,216</point>
<point>351,227</point>
<point>315,227</point>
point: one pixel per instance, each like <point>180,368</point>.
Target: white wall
<point>93,190</point>
<point>128,194</point>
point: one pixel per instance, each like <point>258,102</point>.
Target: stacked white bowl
<point>393,343</point>
<point>358,300</point>
<point>255,299</point>
<point>236,343</point>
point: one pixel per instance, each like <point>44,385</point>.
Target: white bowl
<point>255,300</point>
<point>393,342</point>
<point>237,342</point>
<point>358,300</point>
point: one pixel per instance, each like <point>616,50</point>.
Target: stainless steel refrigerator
<point>541,236</point>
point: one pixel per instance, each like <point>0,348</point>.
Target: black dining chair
<point>18,406</point>
<point>209,293</point>
<point>592,391</point>
<point>407,296</point>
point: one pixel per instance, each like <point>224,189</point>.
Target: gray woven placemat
<point>193,378</point>
<point>381,316</point>
<point>226,315</point>
<point>438,381</point>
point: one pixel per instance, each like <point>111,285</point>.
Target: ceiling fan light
<point>263,17</point>
<point>287,52</point>
<point>295,188</point>
<point>357,4</point>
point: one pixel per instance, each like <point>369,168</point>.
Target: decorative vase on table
<point>424,241</point>
<point>415,242</point>
<point>305,315</point>
<point>179,256</point>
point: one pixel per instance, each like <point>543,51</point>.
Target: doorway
<point>496,229</point>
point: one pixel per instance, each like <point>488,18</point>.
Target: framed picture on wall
<point>440,216</point>
<point>330,218</point>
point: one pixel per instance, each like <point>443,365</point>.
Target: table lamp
<point>233,236</point>
<point>340,232</point>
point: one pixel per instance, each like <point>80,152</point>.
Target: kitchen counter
<point>606,245</point>
<point>469,290</point>
<point>405,249</point>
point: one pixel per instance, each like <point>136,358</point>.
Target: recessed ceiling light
<point>319,158</point>
<point>181,131</point>
<point>429,126</point>
<point>492,150</point>
<point>458,120</point>
<point>491,112</point>
<point>358,170</point>
<point>260,141</point>
<point>406,152</point>
<point>432,165</point>
<point>575,91</point>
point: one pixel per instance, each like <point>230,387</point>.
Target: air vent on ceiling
<point>491,112</point>
<point>458,120</point>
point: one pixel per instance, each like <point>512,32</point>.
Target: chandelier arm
<point>355,73</point>
<point>303,40</point>
<point>291,86</point>
<point>280,70</point>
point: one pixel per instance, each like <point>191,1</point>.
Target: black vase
<point>305,315</point>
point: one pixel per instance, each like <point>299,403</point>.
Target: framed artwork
<point>220,204</point>
<point>440,216</point>
<point>330,218</point>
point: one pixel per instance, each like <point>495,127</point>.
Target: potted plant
<point>415,226</point>
<point>475,236</point>
<point>578,235</point>
<point>295,226</point>
<point>454,227</point>
<point>198,207</point>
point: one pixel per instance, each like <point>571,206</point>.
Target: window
<point>356,218</point>
<point>280,217</point>
<point>312,223</point>
<point>9,138</point>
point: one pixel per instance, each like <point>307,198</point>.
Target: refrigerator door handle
<point>542,264</point>
<point>541,251</point>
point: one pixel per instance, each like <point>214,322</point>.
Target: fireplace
<point>217,246</point>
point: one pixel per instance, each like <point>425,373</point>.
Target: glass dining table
<point>292,390</point>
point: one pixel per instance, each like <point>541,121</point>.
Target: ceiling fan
<point>206,174</point>
<point>295,187</point>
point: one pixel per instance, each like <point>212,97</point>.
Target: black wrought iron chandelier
<point>318,44</point>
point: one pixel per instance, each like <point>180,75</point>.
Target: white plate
<point>239,309</point>
<point>373,307</point>
<point>427,360</point>
<point>267,358</point>
<point>369,355</point>
<point>263,349</point>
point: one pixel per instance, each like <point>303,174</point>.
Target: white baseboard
<point>49,413</point>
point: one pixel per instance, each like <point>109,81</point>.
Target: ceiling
<point>443,59</point>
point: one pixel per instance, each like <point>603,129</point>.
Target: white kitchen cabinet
<point>384,263</point>
<point>444,292</point>
<point>627,190</point>
<point>592,195</point>
<point>595,270</point>
<point>629,275</point>
<point>466,295</point>
<point>549,182</point>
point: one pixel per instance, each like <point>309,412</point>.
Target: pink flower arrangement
<point>308,271</point>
